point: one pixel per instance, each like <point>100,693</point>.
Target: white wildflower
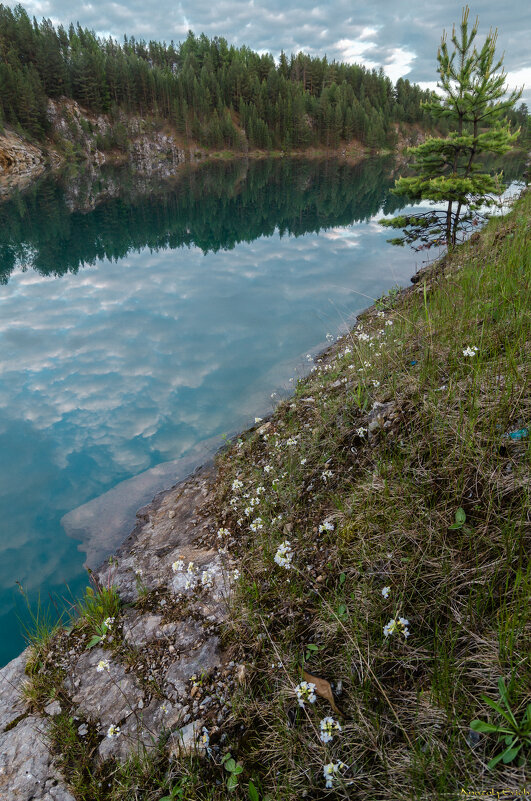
<point>330,771</point>
<point>386,591</point>
<point>326,474</point>
<point>235,574</point>
<point>257,524</point>
<point>361,431</point>
<point>257,419</point>
<point>326,526</point>
<point>113,731</point>
<point>260,490</point>
<point>248,511</point>
<point>108,622</point>
<point>303,461</point>
<point>284,555</point>
<point>237,484</point>
<point>328,726</point>
<point>223,532</point>
<point>389,322</point>
<point>267,468</point>
<point>330,337</point>
<point>292,441</point>
<point>399,626</point>
<point>178,565</point>
<point>102,665</point>
<point>375,383</point>
<point>305,692</point>
<point>207,579</point>
<point>471,350</point>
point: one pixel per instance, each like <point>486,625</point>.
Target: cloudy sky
<point>399,35</point>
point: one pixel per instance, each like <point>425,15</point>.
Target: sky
<point>399,35</point>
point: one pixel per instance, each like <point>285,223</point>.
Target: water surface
<point>140,322</point>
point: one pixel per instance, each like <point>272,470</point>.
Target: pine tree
<point>474,101</point>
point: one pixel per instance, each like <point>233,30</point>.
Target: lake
<point>141,321</point>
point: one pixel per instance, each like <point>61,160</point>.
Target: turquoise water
<point>139,323</point>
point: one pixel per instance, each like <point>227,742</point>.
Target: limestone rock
<point>108,696</point>
<point>201,661</point>
<point>27,772</point>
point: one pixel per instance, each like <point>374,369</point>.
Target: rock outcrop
<point>20,163</point>
<point>160,668</point>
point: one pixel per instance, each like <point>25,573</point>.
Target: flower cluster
<point>326,526</point>
<point>102,665</point>
<point>305,692</point>
<point>385,592</point>
<point>471,350</point>
<point>207,579</point>
<point>330,772</point>
<point>257,524</point>
<point>328,726</point>
<point>223,532</point>
<point>193,580</point>
<point>394,626</point>
<point>284,555</point>
<point>113,731</point>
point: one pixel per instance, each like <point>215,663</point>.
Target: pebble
<point>171,514</point>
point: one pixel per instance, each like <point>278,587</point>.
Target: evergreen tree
<point>475,101</point>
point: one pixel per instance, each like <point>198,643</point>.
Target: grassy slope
<point>391,496</point>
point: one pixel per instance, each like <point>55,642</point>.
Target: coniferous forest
<point>212,93</point>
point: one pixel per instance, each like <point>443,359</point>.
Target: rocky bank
<point>161,668</point>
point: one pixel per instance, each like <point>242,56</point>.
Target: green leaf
<point>484,728</point>
<point>494,705</point>
<point>510,753</point>
<point>342,579</point>
<point>460,516</point>
<point>92,642</point>
<point>312,647</point>
<point>494,762</point>
<point>253,792</point>
<point>232,782</point>
<point>237,770</point>
<point>230,765</point>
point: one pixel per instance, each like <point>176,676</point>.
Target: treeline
<point>211,93</point>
